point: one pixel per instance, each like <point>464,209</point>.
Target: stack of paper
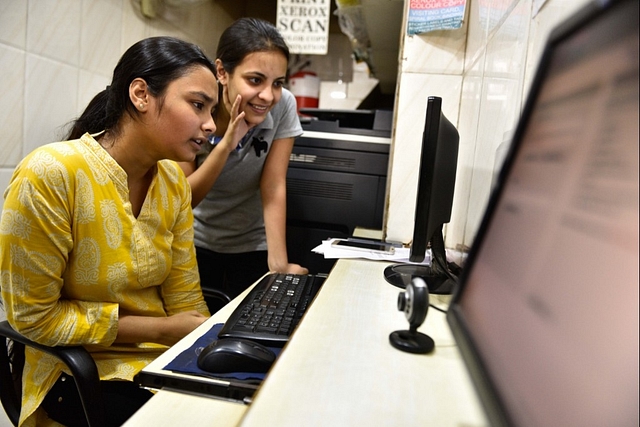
<point>400,254</point>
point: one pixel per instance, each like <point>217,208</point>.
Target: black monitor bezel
<point>436,127</point>
<point>494,406</point>
<point>435,191</point>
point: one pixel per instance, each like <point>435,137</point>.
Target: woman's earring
<point>141,105</point>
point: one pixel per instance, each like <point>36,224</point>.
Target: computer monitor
<point>434,199</point>
<point>546,317</point>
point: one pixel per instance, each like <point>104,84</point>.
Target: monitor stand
<point>401,275</point>
<point>440,276</point>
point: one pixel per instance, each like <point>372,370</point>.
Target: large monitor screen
<point>547,314</point>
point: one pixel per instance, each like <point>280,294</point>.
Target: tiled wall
<point>482,72</point>
<point>55,55</point>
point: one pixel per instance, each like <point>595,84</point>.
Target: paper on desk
<point>398,255</point>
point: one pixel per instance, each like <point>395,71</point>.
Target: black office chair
<point>215,299</point>
<point>78,360</point>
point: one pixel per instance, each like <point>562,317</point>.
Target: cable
<point>438,252</point>
<point>438,308</point>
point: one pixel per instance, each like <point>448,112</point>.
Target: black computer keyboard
<point>273,308</point>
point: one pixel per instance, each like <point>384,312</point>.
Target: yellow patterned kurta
<point>73,257</point>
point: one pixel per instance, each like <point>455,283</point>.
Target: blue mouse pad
<point>187,361</point>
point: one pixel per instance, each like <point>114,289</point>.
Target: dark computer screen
<point>434,199</point>
<point>546,317</point>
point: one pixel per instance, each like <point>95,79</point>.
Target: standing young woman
<point>239,180</point>
<point>96,236</point>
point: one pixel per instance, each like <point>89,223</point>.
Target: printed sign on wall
<point>433,15</point>
<point>304,24</point>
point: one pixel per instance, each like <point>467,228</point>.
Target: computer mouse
<point>235,355</point>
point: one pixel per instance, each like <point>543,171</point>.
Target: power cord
<point>438,308</point>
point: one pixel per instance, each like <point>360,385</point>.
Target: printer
<point>336,179</point>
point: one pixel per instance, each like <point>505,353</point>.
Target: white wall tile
<point>477,34</point>
<point>506,51</point>
<point>51,100</point>
<point>500,107</point>
<point>12,105</point>
<point>134,25</point>
<point>100,42</point>
<point>89,84</point>
<point>55,55</point>
<point>53,29</point>
<point>501,46</point>
<point>13,22</point>
<point>435,52</point>
<point>551,14</point>
<point>493,13</point>
<point>414,88</point>
<point>470,104</point>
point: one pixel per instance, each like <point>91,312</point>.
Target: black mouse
<point>235,355</point>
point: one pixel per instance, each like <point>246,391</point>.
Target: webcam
<point>414,301</point>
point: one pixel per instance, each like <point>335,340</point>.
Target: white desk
<point>340,370</point>
<point>172,408</point>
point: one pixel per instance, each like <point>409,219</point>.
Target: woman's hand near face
<point>237,127</point>
<point>202,178</point>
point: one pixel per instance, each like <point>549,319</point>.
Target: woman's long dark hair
<point>157,60</point>
<point>245,36</point>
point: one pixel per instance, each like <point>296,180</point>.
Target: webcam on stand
<point>414,301</point>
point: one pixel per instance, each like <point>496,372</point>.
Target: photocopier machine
<point>336,179</point>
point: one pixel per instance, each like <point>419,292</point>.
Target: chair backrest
<point>78,360</point>
<point>215,299</point>
<point>11,364</point>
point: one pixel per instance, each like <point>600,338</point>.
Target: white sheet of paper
<point>399,255</point>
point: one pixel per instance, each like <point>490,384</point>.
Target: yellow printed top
<point>73,257</point>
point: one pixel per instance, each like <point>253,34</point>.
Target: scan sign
<point>304,24</point>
